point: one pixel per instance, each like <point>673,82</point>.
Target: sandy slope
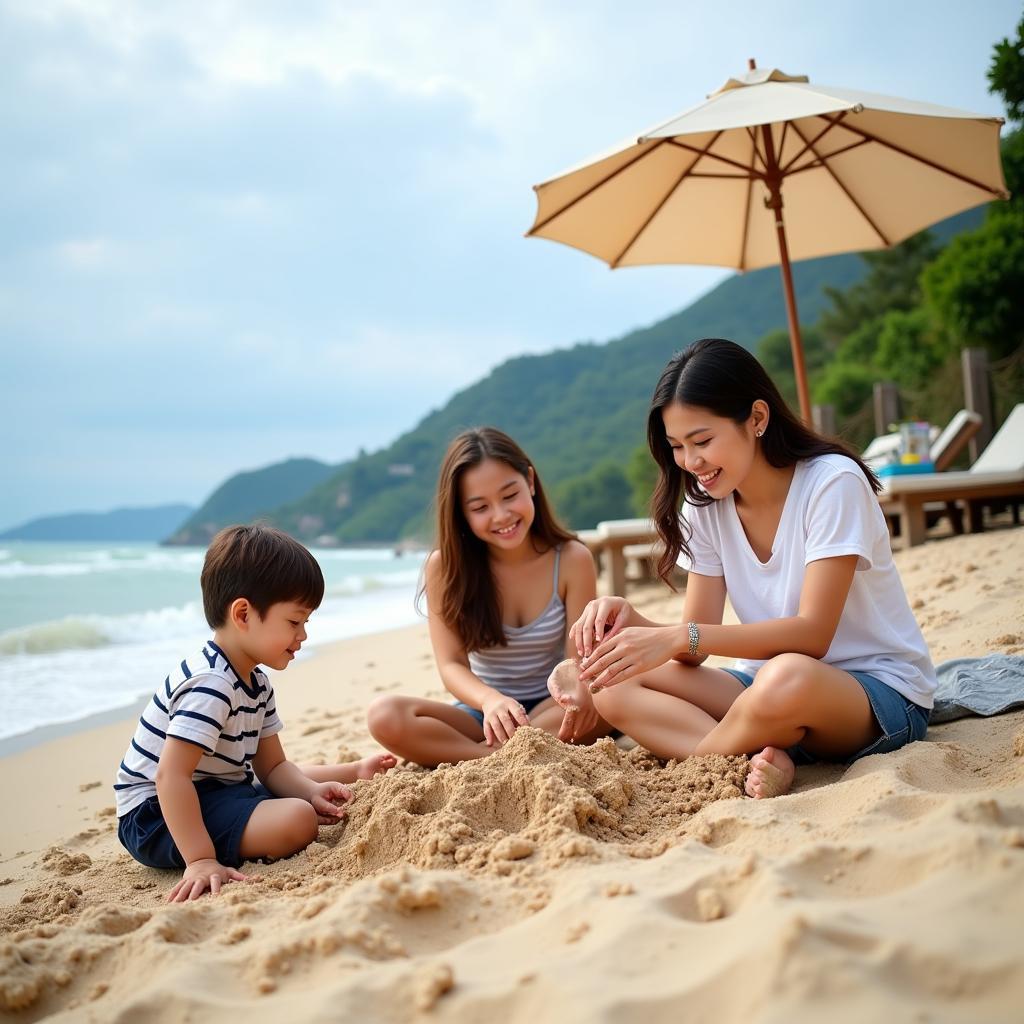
<point>553,883</point>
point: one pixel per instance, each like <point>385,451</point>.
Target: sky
<point>233,232</point>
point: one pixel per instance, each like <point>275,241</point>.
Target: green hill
<point>575,411</point>
<point>249,495</point>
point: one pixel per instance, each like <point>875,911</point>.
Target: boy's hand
<point>201,875</point>
<point>328,799</point>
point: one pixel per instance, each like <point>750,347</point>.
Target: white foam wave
<point>88,632</point>
<point>105,561</point>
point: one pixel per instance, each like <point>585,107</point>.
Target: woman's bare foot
<point>771,773</point>
<point>375,764</point>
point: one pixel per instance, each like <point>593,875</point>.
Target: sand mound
<point>536,802</point>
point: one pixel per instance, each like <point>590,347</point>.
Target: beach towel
<point>978,686</point>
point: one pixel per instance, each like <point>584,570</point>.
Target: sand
<point>550,882</point>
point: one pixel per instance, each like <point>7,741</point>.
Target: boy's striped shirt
<point>204,702</point>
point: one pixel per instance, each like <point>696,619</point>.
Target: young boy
<point>186,789</point>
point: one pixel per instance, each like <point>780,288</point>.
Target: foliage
<point>974,287</point>
<point>602,493</point>
<point>642,474</point>
<point>1006,73</point>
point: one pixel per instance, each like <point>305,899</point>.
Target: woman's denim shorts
<point>226,808</point>
<point>901,720</point>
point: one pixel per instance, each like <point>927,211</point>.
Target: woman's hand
<point>574,699</point>
<point>502,716</point>
<point>628,653</point>
<point>328,800</point>
<point>601,620</point>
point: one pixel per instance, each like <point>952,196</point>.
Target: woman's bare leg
<point>671,709</point>
<point>793,699</point>
<point>426,731</point>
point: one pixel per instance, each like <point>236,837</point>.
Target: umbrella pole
<point>795,340</point>
<point>773,181</point>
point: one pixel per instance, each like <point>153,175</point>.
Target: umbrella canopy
<point>851,171</point>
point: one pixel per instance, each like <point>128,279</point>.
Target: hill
<point>575,410</point>
<point>249,495</point>
<point>147,524</point>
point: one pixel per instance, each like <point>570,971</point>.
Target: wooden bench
<point>608,544</point>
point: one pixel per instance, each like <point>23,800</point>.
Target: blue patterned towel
<point>978,686</point>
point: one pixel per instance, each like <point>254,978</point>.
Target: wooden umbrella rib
<point>664,199</point>
<point>757,153</point>
<point>714,156</point>
<point>819,161</point>
<point>849,195</point>
<point>742,264</point>
<point>593,188</point>
<point>807,145</point>
<point>870,137</point>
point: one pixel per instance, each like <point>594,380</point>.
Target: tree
<point>602,493</point>
<point>892,282</point>
<point>775,353</point>
<point>974,286</point>
<point>642,473</point>
<point>1006,73</point>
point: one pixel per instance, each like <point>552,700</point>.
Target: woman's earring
<point>758,433</point>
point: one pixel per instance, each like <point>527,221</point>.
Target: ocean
<point>88,628</point>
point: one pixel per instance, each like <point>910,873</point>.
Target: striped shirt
<point>204,702</point>
<point>521,669</point>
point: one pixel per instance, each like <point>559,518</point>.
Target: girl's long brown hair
<point>724,378</point>
<point>469,598</point>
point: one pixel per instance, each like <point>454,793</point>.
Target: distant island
<point>120,524</point>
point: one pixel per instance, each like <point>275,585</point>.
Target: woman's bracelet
<point>694,634</point>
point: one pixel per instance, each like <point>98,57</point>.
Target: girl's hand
<point>502,716</point>
<point>574,699</point>
<point>627,654</point>
<point>328,799</point>
<point>601,620</point>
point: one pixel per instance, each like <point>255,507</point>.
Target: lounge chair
<point>945,447</point>
<point>998,475</point>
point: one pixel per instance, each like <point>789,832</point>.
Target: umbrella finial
<point>751,64</point>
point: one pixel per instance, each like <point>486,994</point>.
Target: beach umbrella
<point>769,169</point>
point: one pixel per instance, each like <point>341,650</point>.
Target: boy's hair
<point>261,564</point>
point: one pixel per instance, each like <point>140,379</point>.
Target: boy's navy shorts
<point>226,809</point>
<point>900,719</point>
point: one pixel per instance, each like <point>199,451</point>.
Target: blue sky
<point>238,231</point>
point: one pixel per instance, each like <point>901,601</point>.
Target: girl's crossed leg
<point>430,732</point>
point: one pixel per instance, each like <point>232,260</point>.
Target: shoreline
<point>40,734</point>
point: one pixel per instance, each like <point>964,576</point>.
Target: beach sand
<point>550,882</point>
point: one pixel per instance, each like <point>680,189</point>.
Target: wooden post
<point>824,418</point>
<point>887,406</point>
<point>978,396</point>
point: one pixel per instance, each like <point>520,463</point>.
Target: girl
<point>501,586</point>
<point>832,664</point>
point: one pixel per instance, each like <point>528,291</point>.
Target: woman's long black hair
<point>725,379</point>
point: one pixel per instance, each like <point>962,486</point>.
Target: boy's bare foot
<point>375,764</point>
<point>771,773</point>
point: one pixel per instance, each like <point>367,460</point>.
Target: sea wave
<point>88,632</point>
<point>86,563</point>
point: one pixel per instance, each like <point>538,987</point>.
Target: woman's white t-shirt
<point>830,510</point>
